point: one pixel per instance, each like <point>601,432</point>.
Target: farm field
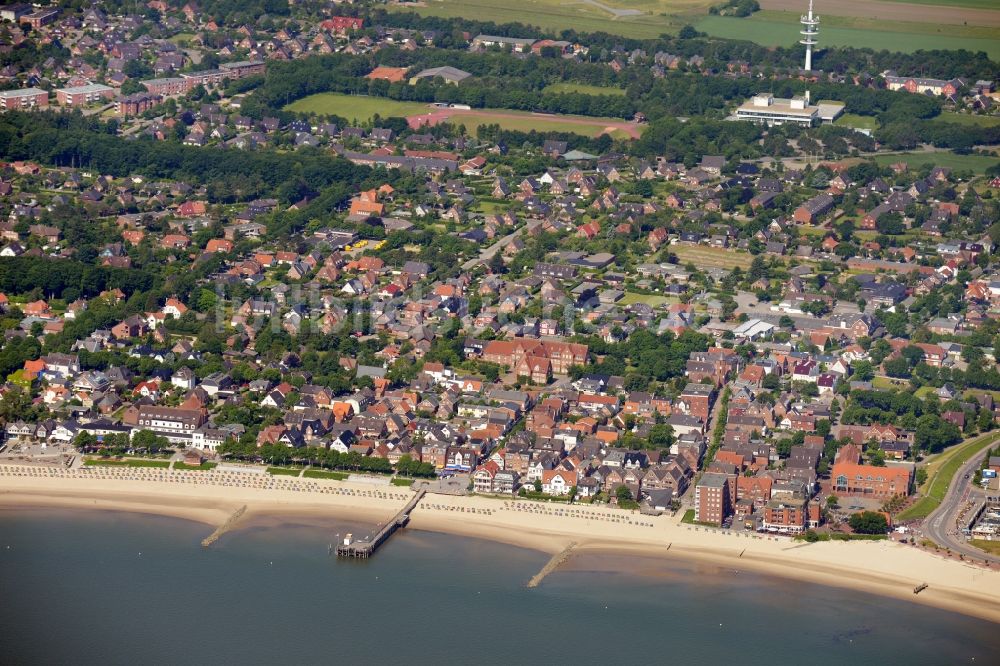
<point>556,15</point>
<point>939,12</point>
<point>977,163</point>
<point>975,4</point>
<point>566,87</point>
<point>970,24</point>
<point>779,31</point>
<point>945,28</point>
<point>714,257</point>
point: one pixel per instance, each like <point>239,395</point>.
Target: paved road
<point>940,525</point>
<point>488,253</point>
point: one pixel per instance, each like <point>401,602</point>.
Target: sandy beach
<point>880,567</point>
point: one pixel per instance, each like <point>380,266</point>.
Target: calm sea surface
<point>115,588</point>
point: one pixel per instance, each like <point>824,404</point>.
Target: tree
<point>863,370</point>
<point>661,435</point>
<point>869,522</point>
<point>623,494</point>
<point>832,501</point>
<point>771,381</point>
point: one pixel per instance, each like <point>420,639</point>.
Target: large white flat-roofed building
<point>514,43</point>
<point>765,108</point>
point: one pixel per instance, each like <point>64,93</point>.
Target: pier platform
<point>366,546</point>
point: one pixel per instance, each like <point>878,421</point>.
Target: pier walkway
<point>365,547</point>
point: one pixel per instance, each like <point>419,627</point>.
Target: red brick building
<point>790,515</point>
<point>712,499</point>
<point>342,24</point>
<point>809,211</point>
<point>167,86</point>
<point>24,98</point>
<point>696,400</point>
<point>133,105</point>
<point>561,355</point>
<point>852,478</point>
<point>83,95</point>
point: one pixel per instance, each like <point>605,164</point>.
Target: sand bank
<point>882,567</point>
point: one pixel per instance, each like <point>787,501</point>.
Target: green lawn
<point>856,121</point>
<point>567,87</point>
<point>884,383</point>
<point>204,467</point>
<point>362,108</point>
<point>775,30</point>
<point>988,546</point>
<point>524,121</point>
<point>405,483</point>
<point>714,257</point>
<point>283,471</point>
<point>182,37</point>
<point>320,474</point>
<point>651,300</point>
<point>355,107</point>
<point>125,462</point>
<point>975,163</point>
<point>940,473</point>
<point>969,119</point>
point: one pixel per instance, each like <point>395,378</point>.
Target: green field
<point>869,24</point>
<point>403,483</point>
<point>125,462</point>
<point>856,121</point>
<point>940,472</point>
<point>974,4</point>
<point>558,15</point>
<point>970,120</point>
<point>777,29</point>
<point>567,87</point>
<point>361,108</point>
<point>976,163</point>
<point>355,107</point>
<point>320,474</point>
<point>523,121</point>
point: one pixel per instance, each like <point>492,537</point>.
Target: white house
<point>558,482</point>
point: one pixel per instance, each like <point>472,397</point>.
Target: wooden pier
<point>365,547</point>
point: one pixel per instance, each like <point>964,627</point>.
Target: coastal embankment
<point>876,567</point>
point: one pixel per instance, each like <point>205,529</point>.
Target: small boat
<point>920,588</point>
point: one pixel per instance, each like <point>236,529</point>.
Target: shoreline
<point>884,568</point>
